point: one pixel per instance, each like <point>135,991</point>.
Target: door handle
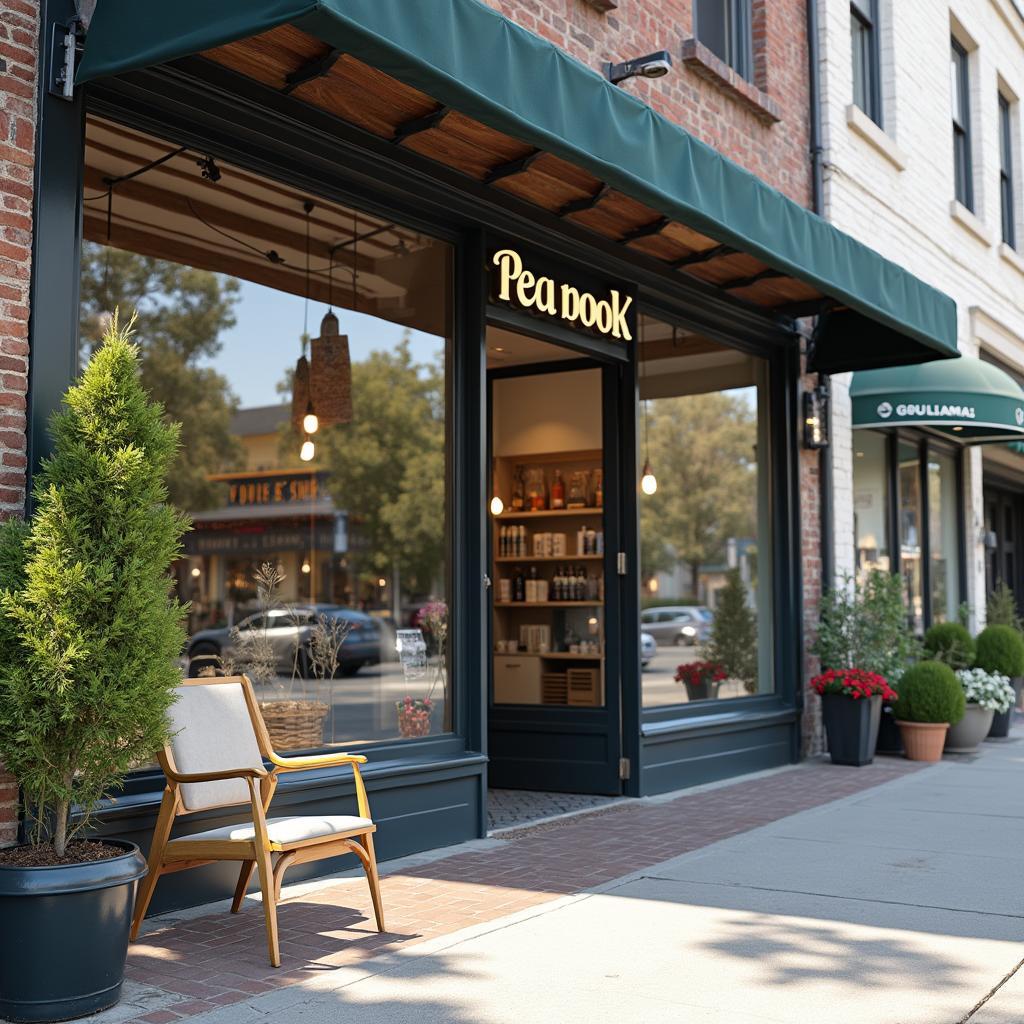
<point>487,582</point>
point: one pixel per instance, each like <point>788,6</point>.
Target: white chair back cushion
<point>213,732</point>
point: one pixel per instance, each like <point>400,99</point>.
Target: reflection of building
<point>270,513</point>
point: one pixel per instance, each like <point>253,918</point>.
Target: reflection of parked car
<point>287,631</point>
<point>648,649</point>
<point>679,625</point>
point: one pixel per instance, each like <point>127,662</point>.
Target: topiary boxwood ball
<point>1000,649</point>
<point>929,692</point>
<point>950,643</point>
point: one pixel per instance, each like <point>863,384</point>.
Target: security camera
<point>654,65</point>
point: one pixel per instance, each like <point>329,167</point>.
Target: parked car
<point>288,630</point>
<point>648,649</point>
<point>683,624</point>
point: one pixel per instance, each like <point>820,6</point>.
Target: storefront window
<point>943,536</point>
<point>871,502</point>
<point>911,530</point>
<point>260,306</point>
<point>705,621</point>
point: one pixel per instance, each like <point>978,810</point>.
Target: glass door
<point>554,689</point>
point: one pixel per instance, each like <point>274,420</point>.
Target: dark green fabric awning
<point>968,400</point>
<point>473,59</point>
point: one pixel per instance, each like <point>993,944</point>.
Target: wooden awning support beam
<point>587,203</point>
<point>704,256</point>
<point>646,230</point>
<point>419,124</point>
<point>746,282</point>
<point>506,170</point>
<point>313,69</point>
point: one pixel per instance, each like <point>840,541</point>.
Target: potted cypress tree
<point>733,645</point>
<point>89,633</point>
<point>1000,649</point>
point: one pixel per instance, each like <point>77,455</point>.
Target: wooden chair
<point>216,759</point>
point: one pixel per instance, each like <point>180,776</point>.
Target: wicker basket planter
<point>923,741</point>
<point>294,724</point>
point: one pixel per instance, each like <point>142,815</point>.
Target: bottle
<point>581,540</point>
<point>556,584</point>
<point>517,489</point>
<point>558,491</point>
<point>522,542</point>
<point>598,488</point>
<point>518,586</point>
<point>531,585</point>
<point>502,541</point>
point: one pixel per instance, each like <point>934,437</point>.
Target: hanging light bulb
<point>497,506</point>
<point>306,568</point>
<point>648,482</point>
<point>308,450</point>
<point>310,423</point>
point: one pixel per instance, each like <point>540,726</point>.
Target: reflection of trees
<point>387,468</point>
<point>181,314</point>
<point>702,448</point>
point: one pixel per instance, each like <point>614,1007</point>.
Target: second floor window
<point>724,27</point>
<point>960,101</point>
<point>867,91</point>
<point>1006,182</point>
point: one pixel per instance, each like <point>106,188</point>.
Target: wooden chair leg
<point>161,834</point>
<point>266,874</point>
<point>244,875</point>
<point>370,867</point>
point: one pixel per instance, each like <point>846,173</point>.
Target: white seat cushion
<point>286,830</point>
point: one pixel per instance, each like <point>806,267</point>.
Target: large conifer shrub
<point>90,628</point>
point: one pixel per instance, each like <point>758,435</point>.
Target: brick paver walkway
<point>199,964</point>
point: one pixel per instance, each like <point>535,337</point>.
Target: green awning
<point>474,60</point>
<point>968,400</point>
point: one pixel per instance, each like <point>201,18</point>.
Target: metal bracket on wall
<point>63,46</point>
<point>620,563</point>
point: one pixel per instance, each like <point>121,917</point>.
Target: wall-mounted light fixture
<point>654,65</point>
<point>816,417</point>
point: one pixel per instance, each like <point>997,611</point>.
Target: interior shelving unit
<point>556,675</point>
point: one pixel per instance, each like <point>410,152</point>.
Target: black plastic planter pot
<point>889,739</point>
<point>1000,725</point>
<point>64,936</point>
<point>852,727</point>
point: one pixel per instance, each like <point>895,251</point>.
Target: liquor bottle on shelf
<point>531,585</point>
<point>522,542</point>
<point>502,541</point>
<point>598,488</point>
<point>557,585</point>
<point>518,586</point>
<point>518,500</point>
<point>558,491</point>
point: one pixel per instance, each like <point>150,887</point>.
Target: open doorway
<point>553,720</point>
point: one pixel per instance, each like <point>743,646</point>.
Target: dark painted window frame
<point>963,142</point>
<point>1007,172</point>
<point>736,29</point>
<point>197,103</point>
<point>864,20</point>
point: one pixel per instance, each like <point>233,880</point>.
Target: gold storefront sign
<point>578,307</point>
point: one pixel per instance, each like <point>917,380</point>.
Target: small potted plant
<point>414,716</point>
<point>987,693</point>
<point>851,707</point>
<point>1000,649</point>
<point>89,636</point>
<point>701,679</point>
<point>950,643</point>
<point>931,699</point>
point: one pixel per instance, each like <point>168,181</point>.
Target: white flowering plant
<point>992,690</point>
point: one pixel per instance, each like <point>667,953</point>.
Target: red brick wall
<point>19,43</point>
<point>776,152</point>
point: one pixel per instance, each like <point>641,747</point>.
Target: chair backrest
<point>213,731</point>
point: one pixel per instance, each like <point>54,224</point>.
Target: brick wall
<point>703,97</point>
<point>19,39</point>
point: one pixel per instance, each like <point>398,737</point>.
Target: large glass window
<point>725,28</point>
<point>911,534</point>
<point>871,502</point>
<point>304,345</point>
<point>706,617</point>
<point>943,536</point>
<point>960,94</point>
<point>867,92</point>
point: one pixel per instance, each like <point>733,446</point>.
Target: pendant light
<point>497,506</point>
<point>303,413</point>
<point>648,481</point>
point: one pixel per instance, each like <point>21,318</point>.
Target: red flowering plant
<point>854,683</point>
<point>700,673</point>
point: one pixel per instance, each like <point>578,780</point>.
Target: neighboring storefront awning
<point>968,400</point>
<point>558,134</point>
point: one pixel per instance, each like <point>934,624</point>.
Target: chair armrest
<point>298,764</point>
<point>227,773</point>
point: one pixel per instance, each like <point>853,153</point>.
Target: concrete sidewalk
<point>899,905</point>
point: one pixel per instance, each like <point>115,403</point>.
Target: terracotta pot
<point>923,741</point>
<point>964,737</point>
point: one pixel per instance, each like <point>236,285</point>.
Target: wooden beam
<point>588,203</point>
<point>704,256</point>
<point>316,68</point>
<point>646,230</point>
<point>506,170</point>
<point>419,124</point>
<point>752,279</point>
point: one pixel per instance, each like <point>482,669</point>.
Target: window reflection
<point>871,502</point>
<point>910,534</point>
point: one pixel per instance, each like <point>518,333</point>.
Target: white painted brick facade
<point>905,213</point>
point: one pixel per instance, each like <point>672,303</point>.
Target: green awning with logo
<point>968,400</point>
<point>471,58</point>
